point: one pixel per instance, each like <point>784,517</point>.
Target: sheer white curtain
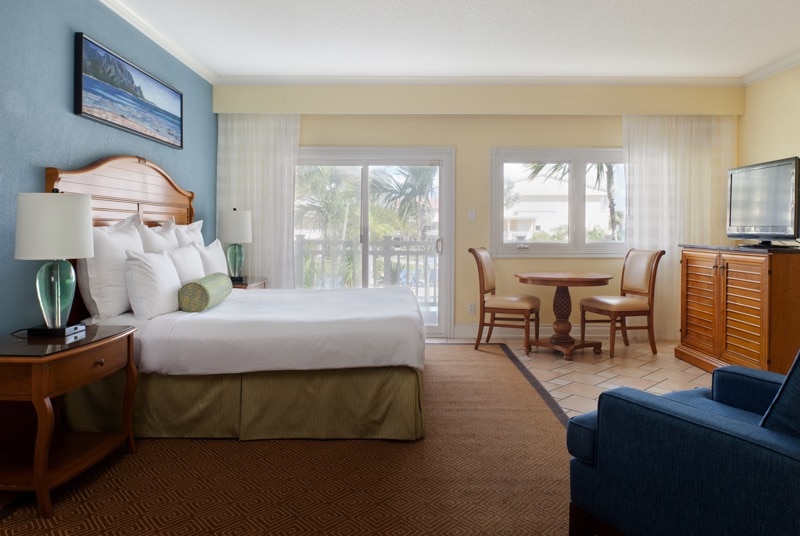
<point>677,175</point>
<point>256,155</point>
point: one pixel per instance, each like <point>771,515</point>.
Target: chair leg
<point>613,336</point>
<point>583,324</point>
<point>491,327</point>
<point>651,335</point>
<point>527,334</point>
<point>480,331</point>
<point>624,327</point>
<point>536,328</point>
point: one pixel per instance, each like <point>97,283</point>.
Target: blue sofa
<point>724,460</point>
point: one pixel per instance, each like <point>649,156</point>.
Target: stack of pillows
<point>152,270</point>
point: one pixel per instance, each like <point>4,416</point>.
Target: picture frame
<point>111,90</point>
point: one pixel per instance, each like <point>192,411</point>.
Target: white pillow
<point>101,279</point>
<point>188,263</point>
<point>155,239</point>
<point>153,284</point>
<point>190,233</point>
<point>213,258</point>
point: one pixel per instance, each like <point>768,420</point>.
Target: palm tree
<point>408,190</point>
<point>603,175</point>
<point>324,201</point>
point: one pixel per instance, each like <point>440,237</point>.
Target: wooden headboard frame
<point>124,185</point>
<point>121,186</point>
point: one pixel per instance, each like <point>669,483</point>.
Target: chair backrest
<point>639,273</point>
<point>486,277</point>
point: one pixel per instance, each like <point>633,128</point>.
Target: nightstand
<point>251,282</point>
<point>36,453</point>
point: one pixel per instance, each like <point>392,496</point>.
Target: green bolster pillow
<point>205,293</point>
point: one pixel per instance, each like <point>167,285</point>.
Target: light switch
<point>471,214</point>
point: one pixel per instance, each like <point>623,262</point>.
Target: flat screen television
<point>763,202</point>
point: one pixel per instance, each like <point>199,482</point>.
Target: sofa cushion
<point>783,414</point>
<point>581,436</point>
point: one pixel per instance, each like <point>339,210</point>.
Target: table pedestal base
<point>567,347</point>
<point>561,339</point>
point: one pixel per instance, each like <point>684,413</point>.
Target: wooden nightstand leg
<point>41,455</point>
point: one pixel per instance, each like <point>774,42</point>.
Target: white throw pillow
<point>153,284</point>
<point>192,233</point>
<point>213,258</point>
<point>101,279</point>
<point>155,239</point>
<point>188,263</point>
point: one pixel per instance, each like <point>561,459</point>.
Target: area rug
<point>494,461</point>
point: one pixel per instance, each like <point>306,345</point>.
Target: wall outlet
<point>471,308</point>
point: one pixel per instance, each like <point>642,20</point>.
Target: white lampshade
<point>235,227</point>
<point>53,226</point>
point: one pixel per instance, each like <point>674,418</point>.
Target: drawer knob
<point>100,362</point>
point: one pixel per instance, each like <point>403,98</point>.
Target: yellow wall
<point>473,120</point>
<point>770,128</point>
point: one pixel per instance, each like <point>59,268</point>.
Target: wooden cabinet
<point>740,307</point>
<point>36,452</point>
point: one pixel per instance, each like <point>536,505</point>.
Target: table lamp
<point>235,228</point>
<point>54,227</point>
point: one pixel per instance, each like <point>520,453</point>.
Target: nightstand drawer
<point>87,366</point>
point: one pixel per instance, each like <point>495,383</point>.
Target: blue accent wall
<point>39,129</point>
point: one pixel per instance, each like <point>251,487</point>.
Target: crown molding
<point>160,39</point>
<point>474,81</point>
<point>773,68</point>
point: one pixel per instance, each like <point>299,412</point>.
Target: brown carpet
<point>494,462</point>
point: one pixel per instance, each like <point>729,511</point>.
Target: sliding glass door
<point>373,218</point>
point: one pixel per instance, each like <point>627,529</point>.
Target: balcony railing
<point>392,262</point>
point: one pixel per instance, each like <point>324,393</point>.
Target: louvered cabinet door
<point>699,325</point>
<point>744,282</point>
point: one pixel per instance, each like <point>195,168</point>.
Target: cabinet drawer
<point>88,366</point>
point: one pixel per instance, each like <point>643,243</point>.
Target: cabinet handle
<point>100,362</point>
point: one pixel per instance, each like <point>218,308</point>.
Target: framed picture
<point>112,90</point>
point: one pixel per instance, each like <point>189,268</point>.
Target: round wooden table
<point>562,306</point>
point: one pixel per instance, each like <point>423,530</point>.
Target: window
<point>558,202</point>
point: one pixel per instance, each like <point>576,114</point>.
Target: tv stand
<point>738,307</point>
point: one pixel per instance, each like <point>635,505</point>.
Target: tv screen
<point>762,201</point>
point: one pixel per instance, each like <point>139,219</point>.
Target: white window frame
<point>576,245</point>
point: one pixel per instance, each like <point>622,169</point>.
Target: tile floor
<point>577,384</point>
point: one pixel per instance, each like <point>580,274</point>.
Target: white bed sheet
<point>258,330</point>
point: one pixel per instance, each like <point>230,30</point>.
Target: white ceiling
<point>471,41</point>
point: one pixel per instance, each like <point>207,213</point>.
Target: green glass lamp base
<point>235,256</point>
<point>55,288</point>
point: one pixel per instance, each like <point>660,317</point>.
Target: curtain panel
<point>256,156</point>
<point>677,175</point>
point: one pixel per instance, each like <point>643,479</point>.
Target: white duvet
<point>257,330</point>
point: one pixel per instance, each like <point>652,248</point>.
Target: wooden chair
<point>636,298</point>
<point>506,311</point>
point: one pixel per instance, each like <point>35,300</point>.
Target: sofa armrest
<point>745,388</point>
<point>662,467</point>
<point>581,436</point>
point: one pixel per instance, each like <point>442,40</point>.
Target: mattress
<point>279,330</point>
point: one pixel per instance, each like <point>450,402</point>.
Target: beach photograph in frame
<point>111,90</point>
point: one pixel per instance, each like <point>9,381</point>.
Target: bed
<point>261,364</point>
